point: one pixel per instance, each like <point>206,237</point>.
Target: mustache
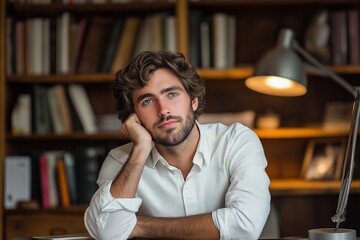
<point>167,118</point>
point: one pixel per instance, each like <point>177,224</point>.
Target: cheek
<point>145,116</point>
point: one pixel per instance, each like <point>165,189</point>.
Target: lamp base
<point>332,234</point>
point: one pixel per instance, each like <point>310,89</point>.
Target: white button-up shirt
<point>228,179</point>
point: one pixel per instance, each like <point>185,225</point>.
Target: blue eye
<point>147,102</point>
<point>173,94</point>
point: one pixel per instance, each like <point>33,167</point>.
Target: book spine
<point>44,181</point>
<point>63,184</point>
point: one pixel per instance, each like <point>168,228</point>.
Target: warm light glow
<point>276,86</point>
<point>278,82</point>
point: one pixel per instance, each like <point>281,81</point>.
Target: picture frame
<point>323,159</point>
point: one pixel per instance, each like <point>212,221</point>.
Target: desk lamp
<point>280,72</point>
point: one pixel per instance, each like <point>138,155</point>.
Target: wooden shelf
<point>78,136</point>
<point>264,3</point>
<point>300,133</point>
<point>90,8</point>
<point>290,187</point>
<point>69,78</point>
<point>281,133</point>
<point>74,209</point>
<point>239,73</point>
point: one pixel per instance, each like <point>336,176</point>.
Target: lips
<point>168,124</point>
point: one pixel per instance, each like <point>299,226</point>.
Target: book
<point>219,41</point>
<point>51,158</point>
<point>94,44</point>
<point>75,119</point>
<point>21,115</point>
<point>111,45</point>
<point>151,34</point>
<point>353,21</point>
<point>56,121</point>
<point>126,43</point>
<point>338,37</point>
<point>69,162</point>
<point>45,39</point>
<point>63,108</point>
<point>35,46</point>
<point>53,44</point>
<point>88,163</point>
<point>81,33</point>
<point>170,34</point>
<point>10,46</point>
<point>20,51</point>
<point>195,18</point>
<point>44,181</point>
<point>17,180</point>
<point>63,183</point>
<point>62,44</point>
<point>231,41</point>
<point>205,44</point>
<point>81,102</point>
<point>42,118</point>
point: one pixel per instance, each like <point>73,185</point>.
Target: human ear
<point>195,103</point>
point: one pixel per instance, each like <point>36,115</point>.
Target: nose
<point>163,108</point>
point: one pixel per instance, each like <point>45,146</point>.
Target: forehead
<point>160,79</point>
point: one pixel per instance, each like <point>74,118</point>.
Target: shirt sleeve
<point>247,201</point>
<point>108,217</point>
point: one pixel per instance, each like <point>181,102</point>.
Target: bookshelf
<point>301,117</point>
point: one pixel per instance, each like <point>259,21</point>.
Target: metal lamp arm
<point>349,165</point>
<point>325,70</point>
<point>349,161</point>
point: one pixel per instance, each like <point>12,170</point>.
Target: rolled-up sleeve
<point>247,201</point>
<point>110,218</point>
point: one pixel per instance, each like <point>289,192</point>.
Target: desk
<point>30,238</point>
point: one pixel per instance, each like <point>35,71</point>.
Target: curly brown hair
<point>137,74</point>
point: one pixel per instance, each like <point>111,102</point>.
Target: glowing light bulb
<point>278,82</point>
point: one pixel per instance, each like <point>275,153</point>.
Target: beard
<point>172,139</point>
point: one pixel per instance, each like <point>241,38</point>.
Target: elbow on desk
<point>234,224</point>
<point>111,228</point>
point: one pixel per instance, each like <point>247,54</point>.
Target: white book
<point>63,44</point>
<point>219,33</point>
<point>170,34</point>
<point>21,115</point>
<point>17,180</point>
<point>36,46</point>
<point>83,107</point>
<point>52,157</point>
<point>46,46</point>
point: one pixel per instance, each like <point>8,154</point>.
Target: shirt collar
<point>202,153</point>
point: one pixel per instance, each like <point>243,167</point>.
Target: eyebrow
<point>162,91</point>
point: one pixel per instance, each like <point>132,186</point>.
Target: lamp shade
<point>280,72</point>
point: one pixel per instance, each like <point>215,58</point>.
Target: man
<point>177,178</point>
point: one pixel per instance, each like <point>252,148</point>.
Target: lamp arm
<point>348,165</point>
<point>349,160</point>
<point>325,70</point>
